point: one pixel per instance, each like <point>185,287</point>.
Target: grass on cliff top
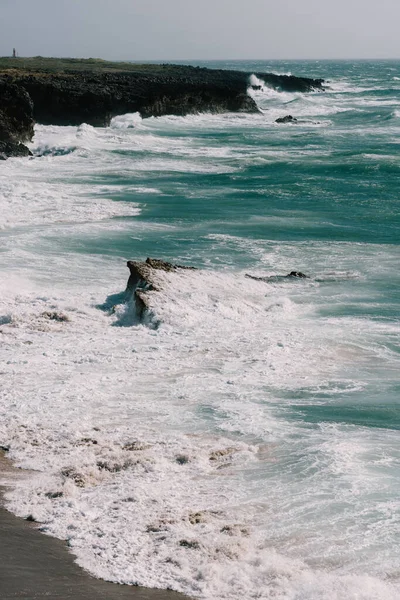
<point>65,65</point>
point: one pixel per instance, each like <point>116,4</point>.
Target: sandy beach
<point>33,565</point>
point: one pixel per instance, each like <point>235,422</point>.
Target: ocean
<point>243,441</point>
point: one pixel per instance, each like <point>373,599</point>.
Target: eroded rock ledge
<point>16,120</point>
<point>71,92</point>
<point>143,278</point>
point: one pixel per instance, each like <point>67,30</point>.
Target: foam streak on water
<point>242,442</point>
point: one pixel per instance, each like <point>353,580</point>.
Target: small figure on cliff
<point>14,53</point>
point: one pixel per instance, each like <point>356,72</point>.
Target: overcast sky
<point>203,29</point>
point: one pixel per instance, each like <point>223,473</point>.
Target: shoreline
<point>69,92</point>
<point>34,565</point>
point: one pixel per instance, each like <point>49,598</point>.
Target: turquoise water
<point>300,377</point>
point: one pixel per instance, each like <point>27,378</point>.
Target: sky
<point>201,29</point>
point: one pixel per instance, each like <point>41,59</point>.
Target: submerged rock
<point>287,119</point>
<point>297,274</point>
<point>291,275</point>
<point>192,544</point>
<point>55,316</point>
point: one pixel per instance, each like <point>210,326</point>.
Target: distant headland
<point>68,91</point>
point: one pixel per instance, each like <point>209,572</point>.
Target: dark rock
<point>297,274</point>
<point>142,273</point>
<point>86,441</point>
<point>200,101</point>
<point>162,265</point>
<point>64,96</point>
<point>192,544</point>
<point>235,529</point>
<point>55,316</point>
<point>225,452</point>
<point>135,446</point>
<point>291,275</point>
<point>54,495</point>
<point>16,120</point>
<point>198,518</point>
<point>287,119</point>
<point>74,475</point>
<point>142,280</point>
<point>31,518</point>
<point>94,98</point>
<point>291,83</point>
<point>8,149</point>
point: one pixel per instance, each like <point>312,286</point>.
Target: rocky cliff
<point>16,120</point>
<point>71,92</point>
<point>75,98</point>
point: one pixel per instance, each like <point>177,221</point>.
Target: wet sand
<point>33,565</point>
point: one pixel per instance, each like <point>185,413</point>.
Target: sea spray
<point>246,445</point>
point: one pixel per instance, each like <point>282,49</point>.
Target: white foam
<point>127,121</point>
<point>54,203</point>
<point>264,95</point>
<point>172,457</point>
<point>135,514</point>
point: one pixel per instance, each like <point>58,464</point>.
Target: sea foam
<point>230,445</point>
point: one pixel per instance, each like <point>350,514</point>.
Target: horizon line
<point>160,60</point>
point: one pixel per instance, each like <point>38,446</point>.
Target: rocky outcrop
<point>8,149</point>
<point>16,120</point>
<point>142,273</point>
<point>203,101</point>
<point>143,278</point>
<point>64,96</point>
<point>297,274</point>
<point>286,119</point>
<point>72,99</point>
<point>291,275</point>
<point>72,91</point>
<point>291,83</point>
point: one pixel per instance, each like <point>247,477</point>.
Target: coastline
<point>249,445</point>
<point>66,92</point>
<point>34,565</point>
